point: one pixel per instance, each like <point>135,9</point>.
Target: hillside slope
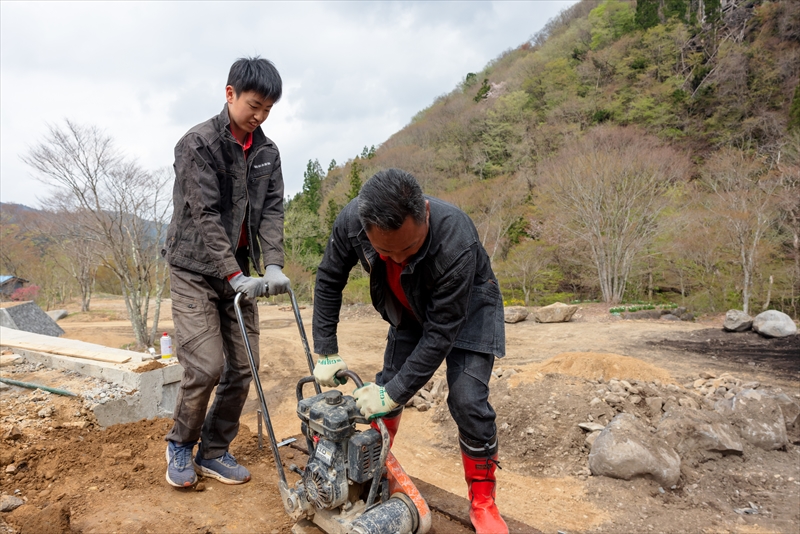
<point>710,86</point>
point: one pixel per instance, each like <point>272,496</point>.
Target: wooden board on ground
<point>27,341</point>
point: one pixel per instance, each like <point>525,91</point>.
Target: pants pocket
<point>479,366</point>
<point>191,320</point>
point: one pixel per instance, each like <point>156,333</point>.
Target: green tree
<point>646,13</point>
<point>483,92</point>
<point>610,20</point>
<point>368,153</point>
<point>312,185</point>
<point>675,9</point>
<point>331,165</point>
<point>355,180</point>
<point>330,214</point>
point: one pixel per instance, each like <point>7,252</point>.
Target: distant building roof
<point>8,277</point>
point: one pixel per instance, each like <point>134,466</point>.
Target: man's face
<point>401,244</point>
<point>247,111</point>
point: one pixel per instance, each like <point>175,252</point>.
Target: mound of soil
<point>593,366</point>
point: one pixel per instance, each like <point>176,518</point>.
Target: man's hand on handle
<point>326,369</point>
<point>277,282</point>
<point>373,401</point>
<point>249,285</point>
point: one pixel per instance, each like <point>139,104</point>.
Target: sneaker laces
<point>228,460</point>
<point>182,456</point>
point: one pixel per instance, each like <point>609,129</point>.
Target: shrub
<point>25,293</point>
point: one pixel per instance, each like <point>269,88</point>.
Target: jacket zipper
<point>248,165</point>
<point>247,208</point>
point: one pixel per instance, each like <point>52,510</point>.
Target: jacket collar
<point>259,138</point>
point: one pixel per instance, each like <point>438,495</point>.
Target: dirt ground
<point>81,478</point>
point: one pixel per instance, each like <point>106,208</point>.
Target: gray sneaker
<point>180,472</point>
<point>225,469</point>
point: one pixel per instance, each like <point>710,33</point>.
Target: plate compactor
<point>352,483</point>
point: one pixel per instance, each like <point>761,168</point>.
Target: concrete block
<point>155,391</point>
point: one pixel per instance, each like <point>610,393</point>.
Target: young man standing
<point>228,212</point>
<point>432,281</point>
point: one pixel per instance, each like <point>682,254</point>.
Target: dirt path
<point>112,480</point>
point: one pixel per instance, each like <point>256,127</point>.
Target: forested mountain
<point>630,151</point>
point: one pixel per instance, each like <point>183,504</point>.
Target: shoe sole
<point>173,484</point>
<point>206,472</point>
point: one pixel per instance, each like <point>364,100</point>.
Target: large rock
<point>10,502</point>
<point>29,317</point>
<point>689,431</point>
<point>515,314</point>
<point>57,315</point>
<point>773,323</point>
<point>757,416</point>
<point>737,321</point>
<point>626,449</point>
<point>558,312</point>
<point>789,408</point>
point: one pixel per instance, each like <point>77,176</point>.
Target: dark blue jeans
<point>468,376</point>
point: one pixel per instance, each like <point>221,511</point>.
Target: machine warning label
<point>325,452</point>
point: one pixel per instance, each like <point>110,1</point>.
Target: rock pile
<point>661,425</point>
<point>770,323</point>
<point>35,408</point>
<point>434,392</point>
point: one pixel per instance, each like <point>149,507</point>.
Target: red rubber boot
<point>392,424</point>
<point>483,512</point>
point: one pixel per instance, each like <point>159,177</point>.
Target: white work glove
<point>277,282</point>
<point>326,369</point>
<point>251,286</point>
<point>373,401</point>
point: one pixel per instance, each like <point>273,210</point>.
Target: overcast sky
<point>353,72</point>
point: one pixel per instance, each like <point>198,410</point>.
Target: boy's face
<point>247,111</point>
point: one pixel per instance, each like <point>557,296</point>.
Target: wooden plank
<point>99,356</point>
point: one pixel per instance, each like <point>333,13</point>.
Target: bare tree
<point>743,195</point>
<point>610,187</point>
<point>68,248</point>
<point>117,205</point>
<point>495,206</point>
<point>789,204</point>
<point>526,266</point>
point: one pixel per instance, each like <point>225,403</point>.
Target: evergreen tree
<point>312,184</point>
<point>646,13</point>
<point>676,9</point>
<point>332,165</point>
<point>330,215</point>
<point>355,179</point>
<point>713,9</point>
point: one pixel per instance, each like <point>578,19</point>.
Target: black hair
<point>256,74</point>
<point>388,198</point>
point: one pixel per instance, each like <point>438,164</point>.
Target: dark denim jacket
<point>449,284</point>
<point>215,189</point>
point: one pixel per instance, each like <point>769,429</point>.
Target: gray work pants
<point>210,348</point>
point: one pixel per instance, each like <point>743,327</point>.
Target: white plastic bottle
<point>166,346</point>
